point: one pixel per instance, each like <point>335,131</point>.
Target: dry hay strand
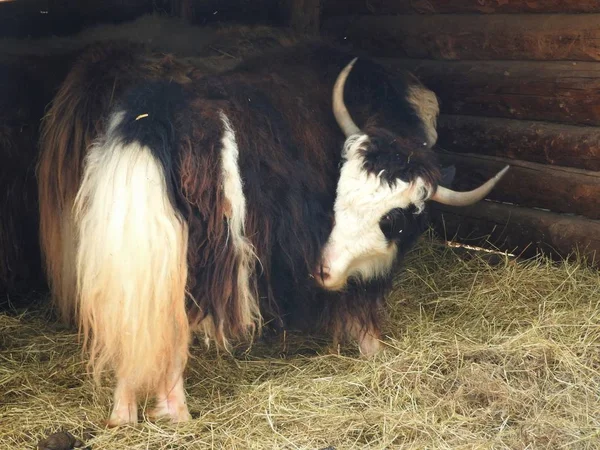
<point>479,353</point>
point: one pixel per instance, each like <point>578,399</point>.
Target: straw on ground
<point>480,353</point>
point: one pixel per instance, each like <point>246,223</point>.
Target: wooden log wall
<point>519,84</point>
<point>42,18</point>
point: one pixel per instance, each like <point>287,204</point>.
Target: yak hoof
<point>369,346</point>
<point>177,413</point>
<point>123,415</point>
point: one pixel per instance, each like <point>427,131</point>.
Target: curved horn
<point>447,196</point>
<point>342,116</point>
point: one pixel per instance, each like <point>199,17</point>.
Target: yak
<point>217,202</point>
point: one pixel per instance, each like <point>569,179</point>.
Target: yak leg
<point>125,405</point>
<point>367,338</point>
<point>170,398</point>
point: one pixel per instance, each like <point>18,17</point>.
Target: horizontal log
<point>558,91</point>
<point>26,19</point>
<point>521,231</point>
<point>343,7</point>
<point>454,36</point>
<point>183,9</point>
<point>558,189</point>
<point>541,142</point>
<point>247,12</point>
<point>89,6</point>
<point>302,16</point>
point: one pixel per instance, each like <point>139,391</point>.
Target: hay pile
<point>497,354</point>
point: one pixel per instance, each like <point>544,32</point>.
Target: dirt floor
<point>482,352</point>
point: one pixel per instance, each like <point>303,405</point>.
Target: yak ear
<point>448,174</point>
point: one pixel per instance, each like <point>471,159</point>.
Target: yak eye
<point>386,223</point>
<point>392,224</point>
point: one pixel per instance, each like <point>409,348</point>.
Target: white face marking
<point>357,246</point>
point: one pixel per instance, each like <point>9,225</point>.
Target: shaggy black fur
<point>290,146</point>
<point>149,116</point>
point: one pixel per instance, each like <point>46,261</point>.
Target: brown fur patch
<point>212,262</point>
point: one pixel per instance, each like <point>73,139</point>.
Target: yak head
<point>385,182</point>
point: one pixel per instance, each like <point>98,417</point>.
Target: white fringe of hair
<point>131,264</point>
<point>233,190</point>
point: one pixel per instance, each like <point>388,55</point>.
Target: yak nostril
<point>324,273</point>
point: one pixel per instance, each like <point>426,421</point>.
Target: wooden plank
<point>183,9</point>
<point>454,36</point>
<point>558,189</point>
<point>557,91</point>
<point>303,16</point>
<point>541,142</point>
<point>205,12</point>
<point>387,7</point>
<point>35,19</point>
<point>521,231</point>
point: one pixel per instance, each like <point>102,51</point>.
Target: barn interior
<point>493,334</point>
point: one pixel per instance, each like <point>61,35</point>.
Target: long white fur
<point>234,193</point>
<point>356,246</point>
<point>131,265</point>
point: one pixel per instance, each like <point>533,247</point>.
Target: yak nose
<point>322,274</point>
<point>328,279</point>
<point>325,273</point>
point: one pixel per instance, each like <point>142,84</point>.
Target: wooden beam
<point>303,16</point>
<point>558,189</point>
<point>95,7</point>
<point>202,12</point>
<point>541,142</point>
<point>183,9</point>
<point>455,37</point>
<point>557,91</point>
<point>387,7</point>
<point>521,231</point>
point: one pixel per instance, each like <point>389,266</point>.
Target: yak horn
<point>447,196</point>
<point>342,116</point>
